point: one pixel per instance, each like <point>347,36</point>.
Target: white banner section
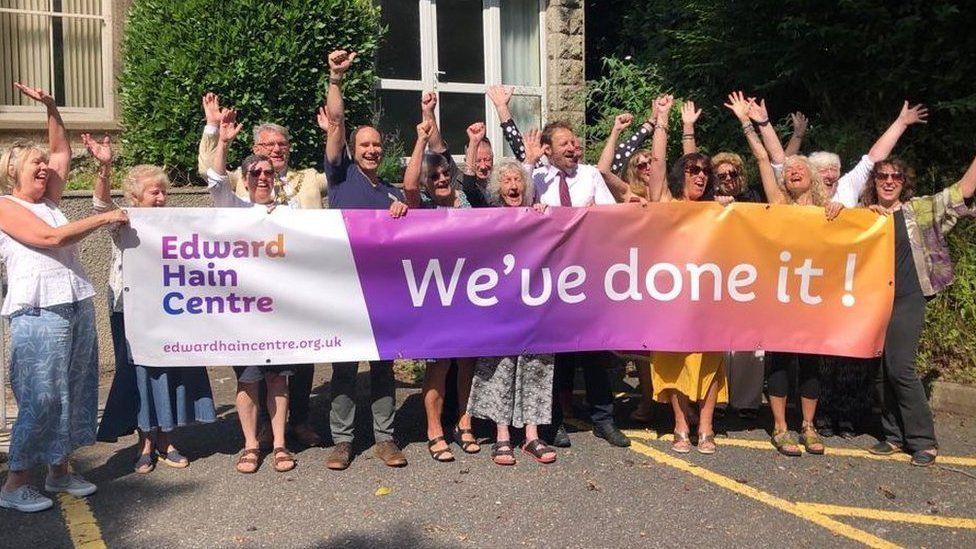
<point>207,287</point>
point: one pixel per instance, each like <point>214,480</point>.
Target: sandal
<point>283,463</point>
<point>439,455</point>
<point>468,446</point>
<point>786,444</point>
<point>145,464</point>
<point>249,461</point>
<point>503,449</point>
<point>924,458</point>
<point>811,440</point>
<point>173,459</point>
<point>682,442</point>
<point>538,450</point>
<point>706,443</point>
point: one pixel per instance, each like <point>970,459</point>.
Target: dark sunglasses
<point>894,176</point>
<point>729,175</point>
<point>696,170</point>
<point>642,165</point>
<point>258,173</point>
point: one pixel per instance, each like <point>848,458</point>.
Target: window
<point>64,46</point>
<point>459,48</point>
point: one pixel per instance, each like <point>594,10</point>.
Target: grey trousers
<point>382,389</point>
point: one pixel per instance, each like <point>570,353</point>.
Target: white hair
<point>495,183</point>
<point>824,159</point>
<point>269,127</point>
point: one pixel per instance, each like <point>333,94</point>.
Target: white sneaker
<point>70,483</point>
<point>25,499</point>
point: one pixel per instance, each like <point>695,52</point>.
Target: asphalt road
<point>593,496</point>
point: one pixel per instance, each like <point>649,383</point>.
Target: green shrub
<point>266,59</point>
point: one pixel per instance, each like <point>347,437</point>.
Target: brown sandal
<point>288,458</point>
<point>249,461</point>
<point>811,440</point>
<point>681,443</point>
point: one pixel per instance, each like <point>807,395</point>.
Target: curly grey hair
<point>495,183</point>
<point>269,127</point>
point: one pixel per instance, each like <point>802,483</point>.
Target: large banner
<point>244,286</point>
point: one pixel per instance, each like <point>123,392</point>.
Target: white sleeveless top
<point>40,277</point>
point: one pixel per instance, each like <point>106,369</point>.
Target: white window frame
<point>34,116</point>
<point>491,25</point>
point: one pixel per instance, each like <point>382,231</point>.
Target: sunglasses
<point>729,175</point>
<point>696,170</point>
<point>259,173</point>
<point>894,176</point>
<point>642,165</point>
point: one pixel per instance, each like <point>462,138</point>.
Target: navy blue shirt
<point>350,189</point>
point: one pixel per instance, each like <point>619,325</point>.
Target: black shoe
<point>560,438</point>
<point>884,448</point>
<point>846,430</point>
<point>610,433</point>
<point>923,458</point>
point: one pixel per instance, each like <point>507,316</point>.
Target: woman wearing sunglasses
<point>923,268</point>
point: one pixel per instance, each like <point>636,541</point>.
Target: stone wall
<point>565,57</point>
<point>96,255</point>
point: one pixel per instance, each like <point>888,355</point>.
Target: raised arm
<point>658,191</point>
<point>228,131</point>
<point>411,176</point>
<point>500,96</point>
<point>59,155</point>
<point>476,134</point>
<point>770,139</point>
<point>23,226</point>
<point>339,62</point>
<point>800,124</point>
<point>689,115</point>
<point>886,143</point>
<point>101,152</point>
<point>740,107</point>
<point>620,123</point>
<point>428,102</point>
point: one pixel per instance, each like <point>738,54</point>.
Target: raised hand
<point>913,115</point>
<point>102,152</point>
<point>757,110</point>
<point>533,146</point>
<point>37,94</point>
<point>323,120</point>
<point>476,132</point>
<point>211,109</point>
<point>428,102</point>
<point>662,108</point>
<point>424,130</point>
<point>739,105</point>
<point>340,61</point>
<point>622,121</point>
<point>689,114</point>
<point>800,123</point>
<point>500,95</point>
<point>229,128</point>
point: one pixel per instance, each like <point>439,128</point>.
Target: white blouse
<point>40,277</point>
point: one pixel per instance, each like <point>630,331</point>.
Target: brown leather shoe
<point>391,455</point>
<point>341,456</point>
<point>304,434</point>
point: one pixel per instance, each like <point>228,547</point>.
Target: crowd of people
<point>54,358</point>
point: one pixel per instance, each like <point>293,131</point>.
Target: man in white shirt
<point>566,182</point>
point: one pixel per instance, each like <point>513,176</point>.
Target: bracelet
<point>688,135</point>
<point>660,127</point>
<point>335,80</point>
<point>763,123</point>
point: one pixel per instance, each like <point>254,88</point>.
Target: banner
<point>244,286</point>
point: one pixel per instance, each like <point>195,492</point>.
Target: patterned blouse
<point>928,220</point>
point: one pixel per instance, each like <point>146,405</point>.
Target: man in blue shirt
<point>355,184</point>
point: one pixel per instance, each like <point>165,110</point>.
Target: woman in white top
<point>54,353</point>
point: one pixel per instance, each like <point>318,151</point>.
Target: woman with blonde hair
<point>150,401</point>
<point>54,348</point>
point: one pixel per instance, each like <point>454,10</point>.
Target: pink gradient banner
<point>666,277</point>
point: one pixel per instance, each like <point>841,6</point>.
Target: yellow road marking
<point>893,516</point>
<point>843,452</point>
<point>722,481</point>
<point>82,526</point>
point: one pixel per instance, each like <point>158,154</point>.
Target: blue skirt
<point>148,398</point>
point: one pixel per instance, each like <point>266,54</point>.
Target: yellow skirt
<point>689,374</point>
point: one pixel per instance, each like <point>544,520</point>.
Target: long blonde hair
<point>632,174</point>
<point>817,192</point>
<point>12,162</point>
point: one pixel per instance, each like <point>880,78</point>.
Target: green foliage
<point>847,65</point>
<point>266,59</point>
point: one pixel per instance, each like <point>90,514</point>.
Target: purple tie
<point>564,199</point>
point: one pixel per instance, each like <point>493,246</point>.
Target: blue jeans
<point>54,376</point>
